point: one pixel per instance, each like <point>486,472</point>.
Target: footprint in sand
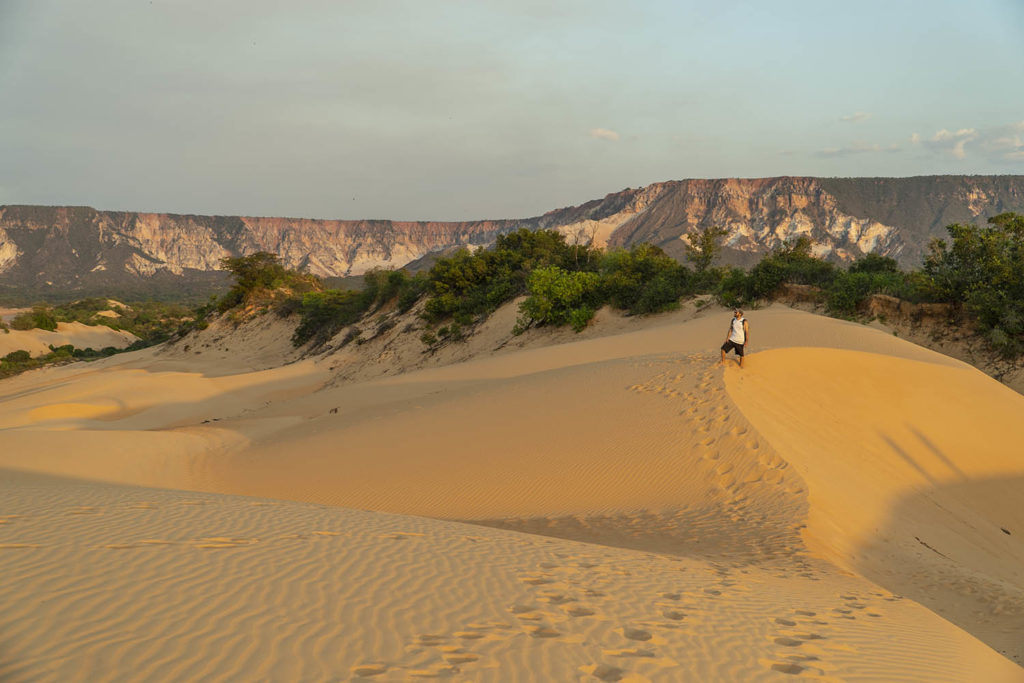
<point>459,657</point>
<point>579,611</point>
<point>604,672</point>
<point>470,635</point>
<point>367,670</point>
<point>787,668</point>
<point>556,598</point>
<point>431,639</point>
<point>787,642</point>
<point>636,633</point>
<point>545,632</point>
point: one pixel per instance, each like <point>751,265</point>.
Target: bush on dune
<point>791,263</point>
<point>559,297</point>
<point>262,276</point>
<point>40,317</point>
<point>470,285</point>
<point>324,314</point>
<point>983,268</point>
<point>643,279</point>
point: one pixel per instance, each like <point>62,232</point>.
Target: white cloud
<point>856,118</point>
<point>948,142</point>
<point>1005,143</point>
<point>604,134</point>
<point>997,143</point>
<point>856,148</point>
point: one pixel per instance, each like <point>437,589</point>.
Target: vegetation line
<point>980,271</point>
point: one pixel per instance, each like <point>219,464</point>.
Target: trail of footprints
<point>805,637</point>
<point>564,603</point>
<point>714,418</point>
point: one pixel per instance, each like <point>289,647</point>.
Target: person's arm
<point>746,333</point>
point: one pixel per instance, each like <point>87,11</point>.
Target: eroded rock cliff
<point>67,250</point>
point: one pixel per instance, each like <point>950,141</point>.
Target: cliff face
<point>55,250</point>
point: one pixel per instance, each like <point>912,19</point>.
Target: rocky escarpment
<point>55,251</point>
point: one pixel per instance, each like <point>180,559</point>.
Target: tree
<point>259,270</point>
<point>704,246</point>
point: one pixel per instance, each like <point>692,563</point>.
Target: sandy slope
<point>116,583</point>
<point>752,483</point>
<point>79,335</point>
<point>915,472</point>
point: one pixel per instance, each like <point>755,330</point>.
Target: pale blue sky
<point>471,109</point>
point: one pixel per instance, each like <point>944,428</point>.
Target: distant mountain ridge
<point>69,251</point>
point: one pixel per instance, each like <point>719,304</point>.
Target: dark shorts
<point>733,346</point>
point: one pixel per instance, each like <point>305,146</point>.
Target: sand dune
<point>79,335</point>
<point>915,474</point>
<point>841,470</point>
<point>115,583</point>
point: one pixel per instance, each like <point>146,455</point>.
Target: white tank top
<point>737,335</point>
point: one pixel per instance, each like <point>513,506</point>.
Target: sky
<point>462,110</point>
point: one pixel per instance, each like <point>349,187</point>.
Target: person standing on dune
<point>737,337</point>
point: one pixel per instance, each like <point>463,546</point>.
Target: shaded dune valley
<point>607,507</point>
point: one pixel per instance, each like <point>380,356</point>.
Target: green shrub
<point>874,263</point>
<point>324,314</point>
<point>847,291</point>
<point>471,285</point>
<point>983,268</point>
<point>558,297</point>
<point>40,317</point>
<point>19,356</point>
<point>733,288</point>
<point>262,272</point>
<point>643,279</point>
<point>792,263</point>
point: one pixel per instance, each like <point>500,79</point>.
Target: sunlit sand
<point>608,507</point>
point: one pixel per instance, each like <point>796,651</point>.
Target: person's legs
<point>741,361</point>
<point>723,358</point>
